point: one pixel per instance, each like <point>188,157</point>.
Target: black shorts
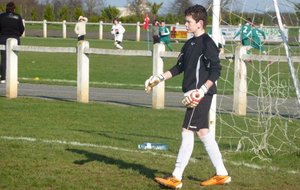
<point>156,39</point>
<point>197,118</point>
<point>80,37</point>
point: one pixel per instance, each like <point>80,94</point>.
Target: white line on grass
<point>75,143</point>
<point>95,83</point>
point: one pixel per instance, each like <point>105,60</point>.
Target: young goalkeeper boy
<point>199,62</point>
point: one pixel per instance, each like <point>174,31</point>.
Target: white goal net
<point>273,110</point>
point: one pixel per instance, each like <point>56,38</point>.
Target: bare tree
<point>179,6</point>
<point>109,13</point>
<point>57,5</point>
<point>297,11</point>
<point>208,3</point>
<point>154,8</point>
<point>72,4</point>
<point>93,6</point>
<point>139,7</point>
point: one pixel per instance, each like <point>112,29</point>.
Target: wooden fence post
<point>45,28</point>
<point>64,26</point>
<point>11,68</point>
<point>138,32</point>
<point>82,72</point>
<point>158,94</point>
<point>100,30</point>
<point>240,82</point>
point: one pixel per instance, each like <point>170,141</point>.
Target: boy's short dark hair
<point>10,7</point>
<point>155,21</point>
<point>198,12</point>
<point>116,18</point>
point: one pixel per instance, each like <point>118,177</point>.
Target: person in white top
<point>117,30</point>
<point>80,29</point>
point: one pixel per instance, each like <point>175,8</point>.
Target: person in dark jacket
<point>155,32</point>
<point>11,26</point>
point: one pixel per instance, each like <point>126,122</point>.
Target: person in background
<point>255,39</point>
<point>80,28</point>
<point>200,64</point>
<point>11,26</point>
<point>146,22</point>
<point>117,30</point>
<point>245,33</point>
<point>155,32</point>
<point>164,34</point>
<point>146,25</point>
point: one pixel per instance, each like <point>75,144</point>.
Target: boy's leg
<point>118,45</point>
<point>184,155</point>
<point>167,42</point>
<point>262,49</point>
<point>215,156</point>
<point>169,47</point>
<point>3,59</point>
<point>255,45</point>
<point>214,153</point>
<point>3,65</point>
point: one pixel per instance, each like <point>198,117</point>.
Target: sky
<point>259,6</point>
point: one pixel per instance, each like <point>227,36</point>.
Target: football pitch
<point>52,144</point>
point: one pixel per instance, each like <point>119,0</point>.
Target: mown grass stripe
<point>75,143</point>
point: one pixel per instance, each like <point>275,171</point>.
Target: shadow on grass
<point>90,157</point>
<point>110,135</point>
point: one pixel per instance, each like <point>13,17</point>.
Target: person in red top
<point>146,22</point>
<point>146,27</point>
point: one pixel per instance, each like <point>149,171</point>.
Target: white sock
<point>214,154</point>
<point>119,46</point>
<point>184,154</point>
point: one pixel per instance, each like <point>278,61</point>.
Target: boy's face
<point>191,25</point>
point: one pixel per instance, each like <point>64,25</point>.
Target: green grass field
<point>49,144</point>
<point>94,146</point>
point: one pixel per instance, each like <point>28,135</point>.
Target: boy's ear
<point>200,24</point>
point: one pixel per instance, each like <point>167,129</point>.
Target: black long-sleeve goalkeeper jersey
<point>199,61</point>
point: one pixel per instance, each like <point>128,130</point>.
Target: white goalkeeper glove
<point>193,97</point>
<point>153,81</point>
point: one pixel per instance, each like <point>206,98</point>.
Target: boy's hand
<point>152,82</point>
<point>193,97</point>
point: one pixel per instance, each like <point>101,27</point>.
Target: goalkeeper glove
<point>153,81</point>
<point>193,97</point>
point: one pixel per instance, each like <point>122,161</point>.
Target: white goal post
<point>288,55</point>
<point>216,36</point>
